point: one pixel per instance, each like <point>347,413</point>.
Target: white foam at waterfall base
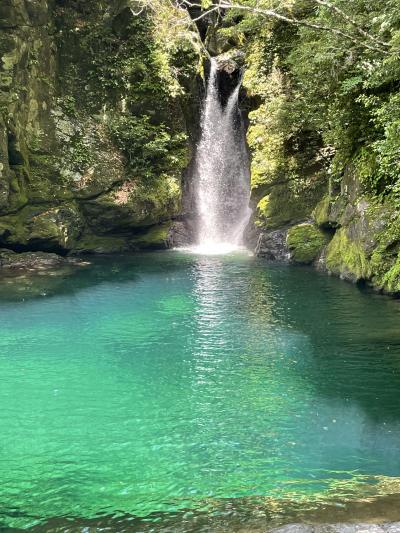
<point>222,190</point>
<point>217,248</point>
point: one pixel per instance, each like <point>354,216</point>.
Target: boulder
<point>305,242</point>
<point>273,245</point>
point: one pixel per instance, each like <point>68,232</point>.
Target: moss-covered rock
<point>93,138</point>
<point>286,205</point>
<point>385,258</point>
<point>89,243</point>
<point>155,238</point>
<point>35,227</point>
<point>149,238</point>
<point>132,205</point>
<point>347,258</point>
<point>389,282</point>
<point>321,213</point>
<point>35,261</point>
<point>305,243</point>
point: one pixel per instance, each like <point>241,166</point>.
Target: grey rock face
<point>180,234</point>
<point>273,246</point>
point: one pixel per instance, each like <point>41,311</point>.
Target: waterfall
<point>222,190</point>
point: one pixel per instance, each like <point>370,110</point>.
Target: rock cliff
<point>93,127</point>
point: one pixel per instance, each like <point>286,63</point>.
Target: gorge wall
<point>324,139</point>
<point>94,127</point>
<point>323,135</point>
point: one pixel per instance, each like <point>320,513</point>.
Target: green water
<point>147,385</point>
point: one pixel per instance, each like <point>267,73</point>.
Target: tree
<point>350,29</point>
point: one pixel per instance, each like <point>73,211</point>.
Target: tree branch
<point>269,13</point>
<point>351,21</point>
<point>291,20</point>
<point>216,8</point>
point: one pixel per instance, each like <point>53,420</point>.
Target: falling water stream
<point>222,169</point>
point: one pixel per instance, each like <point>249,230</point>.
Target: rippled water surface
<point>170,384</point>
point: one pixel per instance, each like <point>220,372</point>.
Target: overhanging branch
<point>269,13</point>
<point>351,21</point>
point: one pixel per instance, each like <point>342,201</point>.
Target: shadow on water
<point>20,285</point>
<point>354,334</point>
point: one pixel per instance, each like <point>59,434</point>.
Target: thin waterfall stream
<point>222,170</point>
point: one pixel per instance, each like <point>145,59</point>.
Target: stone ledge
<point>33,261</point>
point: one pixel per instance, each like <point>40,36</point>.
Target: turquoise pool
<point>171,386</point>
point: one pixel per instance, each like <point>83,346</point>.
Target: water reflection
<point>320,396</point>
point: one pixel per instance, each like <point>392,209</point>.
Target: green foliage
<point>150,149</point>
<point>387,147</point>
<point>355,87</point>
<point>116,69</point>
<point>339,95</point>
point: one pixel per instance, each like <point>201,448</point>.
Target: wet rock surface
<point>339,528</point>
<point>181,234</point>
<point>273,245</point>
<point>12,261</point>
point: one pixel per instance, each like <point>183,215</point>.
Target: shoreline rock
<point>11,261</point>
<point>393,527</point>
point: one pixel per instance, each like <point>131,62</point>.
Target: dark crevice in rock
<point>104,192</point>
<point>14,211</point>
<point>34,247</point>
<point>15,156</point>
<point>227,81</point>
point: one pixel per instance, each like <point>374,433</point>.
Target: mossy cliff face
<point>93,136</point>
<point>350,234</point>
<point>323,117</point>
<point>287,174</point>
<point>366,236</point>
<point>305,242</point>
